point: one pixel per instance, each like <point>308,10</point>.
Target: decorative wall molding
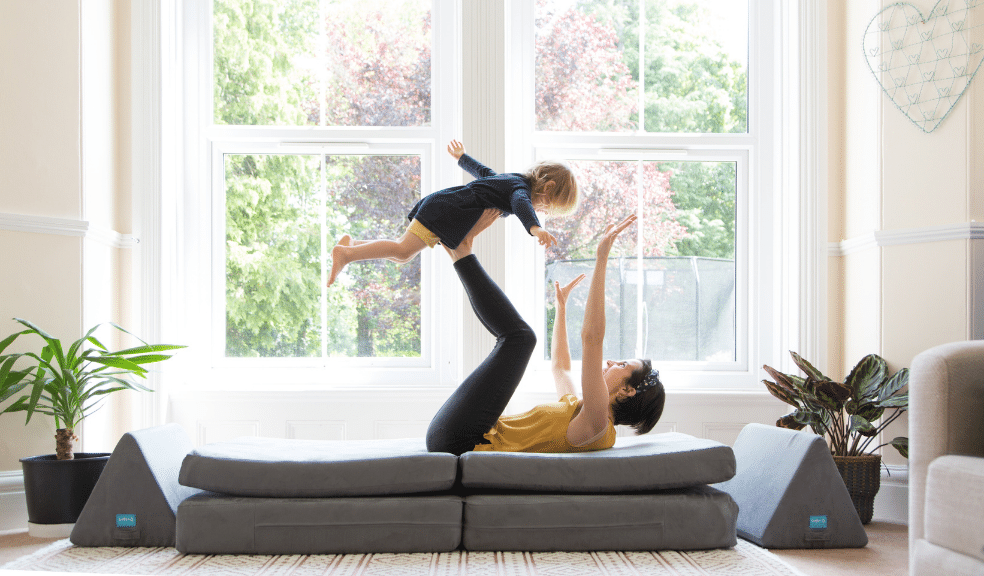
<point>12,481</point>
<point>803,68</point>
<point>879,238</point>
<point>66,227</point>
<point>13,507</point>
<point>892,500</point>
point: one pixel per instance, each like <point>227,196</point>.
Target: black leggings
<point>476,405</point>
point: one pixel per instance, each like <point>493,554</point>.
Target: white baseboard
<point>13,506</point>
<point>892,501</point>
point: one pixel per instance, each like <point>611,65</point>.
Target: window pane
<point>273,256</point>
<point>586,79</point>
<point>373,309</point>
<point>682,255</point>
<point>368,62</point>
<point>262,69</point>
<point>696,66</point>
<point>687,312</point>
<point>279,210</point>
<point>592,56</point>
<point>378,66</point>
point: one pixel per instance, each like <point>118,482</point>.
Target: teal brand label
<point>126,520</point>
<point>818,522</point>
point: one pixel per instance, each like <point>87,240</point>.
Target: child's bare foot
<point>339,257</point>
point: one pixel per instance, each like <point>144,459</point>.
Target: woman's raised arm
<point>593,417</point>
<point>560,354</point>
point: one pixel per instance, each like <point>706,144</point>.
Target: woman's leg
<point>474,407</point>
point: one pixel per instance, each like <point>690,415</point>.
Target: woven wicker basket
<point>862,476</point>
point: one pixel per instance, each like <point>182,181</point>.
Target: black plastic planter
<point>57,490</point>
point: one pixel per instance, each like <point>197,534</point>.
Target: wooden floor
<point>886,553</point>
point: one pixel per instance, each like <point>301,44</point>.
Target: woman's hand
<point>456,149</point>
<point>611,234</point>
<point>563,293</point>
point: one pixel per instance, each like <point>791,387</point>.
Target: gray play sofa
<point>274,496</point>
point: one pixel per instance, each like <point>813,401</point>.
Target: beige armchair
<point>946,460</point>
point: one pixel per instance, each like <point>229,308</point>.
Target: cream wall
<point>904,205</point>
<point>40,163</point>
<point>64,193</point>
<point>64,166</point>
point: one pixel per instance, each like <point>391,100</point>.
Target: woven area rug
<point>745,559</point>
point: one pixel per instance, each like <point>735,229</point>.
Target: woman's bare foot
<point>339,257</point>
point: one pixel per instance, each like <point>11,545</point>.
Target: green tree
<point>272,256</point>
<point>371,195</point>
<point>257,44</point>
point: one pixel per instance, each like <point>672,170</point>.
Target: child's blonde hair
<point>564,197</point>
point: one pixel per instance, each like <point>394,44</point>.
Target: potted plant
<point>67,383</point>
<point>850,414</point>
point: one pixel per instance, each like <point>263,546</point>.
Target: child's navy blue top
<point>451,213</point>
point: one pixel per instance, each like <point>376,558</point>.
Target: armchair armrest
<point>946,415</point>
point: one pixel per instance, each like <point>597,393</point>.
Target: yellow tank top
<point>543,429</point>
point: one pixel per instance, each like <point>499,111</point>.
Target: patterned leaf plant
<point>69,383</point>
<point>850,414</point>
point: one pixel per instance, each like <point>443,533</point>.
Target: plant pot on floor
<point>57,490</point>
<point>862,476</point>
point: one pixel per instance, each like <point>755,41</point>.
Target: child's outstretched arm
<point>544,237</point>
<point>467,163</point>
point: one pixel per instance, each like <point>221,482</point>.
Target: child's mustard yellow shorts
<point>421,231</point>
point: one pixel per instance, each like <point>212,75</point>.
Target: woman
<point>615,392</point>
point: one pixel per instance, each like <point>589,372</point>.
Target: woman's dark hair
<point>643,410</point>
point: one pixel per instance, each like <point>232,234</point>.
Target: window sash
<point>756,308</point>
<point>742,201</point>
<point>198,290</point>
<point>218,347</point>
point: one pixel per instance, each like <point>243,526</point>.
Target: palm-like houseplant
<point>68,383</point>
<point>850,414</point>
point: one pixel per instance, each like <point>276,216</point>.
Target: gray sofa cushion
<point>216,524</point>
<point>136,498</point>
<point>686,519</point>
<point>270,467</point>
<point>790,492</point>
<point>635,463</point>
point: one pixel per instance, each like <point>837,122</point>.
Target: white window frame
<point>198,285</point>
<point>758,309</point>
<point>164,168</point>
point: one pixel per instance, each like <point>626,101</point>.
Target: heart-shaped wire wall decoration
<point>925,64</point>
